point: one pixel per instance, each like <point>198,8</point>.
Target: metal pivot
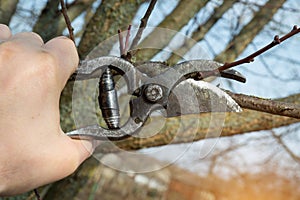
<point>108,100</point>
<point>153,93</point>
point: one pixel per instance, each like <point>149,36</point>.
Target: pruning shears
<point>177,90</point>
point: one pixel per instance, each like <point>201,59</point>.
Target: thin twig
<point>143,24</point>
<point>251,57</point>
<point>127,38</point>
<point>285,147</point>
<point>67,20</point>
<point>38,197</point>
<point>124,45</point>
<point>122,52</point>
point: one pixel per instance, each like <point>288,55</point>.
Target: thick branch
<point>250,31</point>
<point>235,123</point>
<point>47,22</point>
<point>51,23</point>
<point>201,31</point>
<point>108,18</point>
<point>180,16</point>
<point>7,10</point>
<point>267,105</point>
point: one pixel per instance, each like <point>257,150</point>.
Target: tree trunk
<point>180,16</point>
<point>109,17</point>
<point>51,23</point>
<point>239,43</point>
<point>199,34</point>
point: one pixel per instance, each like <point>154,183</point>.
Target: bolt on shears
<point>153,86</point>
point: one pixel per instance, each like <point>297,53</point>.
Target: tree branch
<point>7,10</point>
<point>179,17</point>
<point>285,147</point>
<point>143,24</point>
<point>250,31</point>
<point>199,34</point>
<point>37,195</point>
<point>124,45</point>
<point>267,105</point>
<point>250,58</point>
<point>51,24</point>
<point>67,20</point>
<point>235,124</point>
<point>122,51</point>
<point>108,18</point>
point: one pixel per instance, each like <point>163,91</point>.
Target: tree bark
<point>108,18</point>
<point>239,43</point>
<point>47,23</point>
<point>51,23</point>
<point>7,10</point>
<point>199,34</point>
<point>180,16</point>
<point>267,105</point>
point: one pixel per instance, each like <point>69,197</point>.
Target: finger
<point>28,38</point>
<point>64,51</point>
<point>4,32</point>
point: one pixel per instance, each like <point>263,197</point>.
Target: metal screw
<point>153,92</point>
<point>138,120</point>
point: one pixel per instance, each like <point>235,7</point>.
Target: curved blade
<point>206,98</point>
<point>194,97</point>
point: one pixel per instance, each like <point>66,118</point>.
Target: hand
<point>34,151</point>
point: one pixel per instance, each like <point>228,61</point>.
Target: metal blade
<point>194,97</point>
<point>206,98</point>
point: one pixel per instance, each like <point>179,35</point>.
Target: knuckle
<point>32,36</point>
<point>8,49</point>
<point>36,36</point>
<point>38,66</point>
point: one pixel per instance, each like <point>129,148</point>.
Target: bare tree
<point>99,21</point>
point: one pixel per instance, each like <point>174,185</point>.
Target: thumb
<point>74,153</point>
<point>63,157</point>
<point>84,148</point>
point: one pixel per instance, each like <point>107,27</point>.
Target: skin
<point>34,149</point>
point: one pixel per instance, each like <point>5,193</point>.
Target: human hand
<point>34,149</point>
